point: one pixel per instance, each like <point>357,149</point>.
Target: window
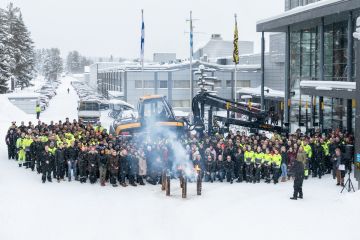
<point>138,84</point>
<point>181,103</point>
<point>163,84</point>
<point>239,83</point>
<point>147,84</point>
<point>181,84</point>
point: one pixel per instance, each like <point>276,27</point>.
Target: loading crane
<point>256,118</point>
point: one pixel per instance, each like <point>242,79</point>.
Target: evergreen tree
<point>53,64</point>
<point>21,50</point>
<point>75,63</point>
<point>5,61</point>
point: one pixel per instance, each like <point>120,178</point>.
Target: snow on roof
<point>116,93</point>
<point>328,85</point>
<point>23,94</point>
<point>175,66</point>
<point>257,92</point>
<point>296,10</point>
<point>120,102</point>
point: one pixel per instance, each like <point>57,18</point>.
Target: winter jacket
<point>298,169</point>
<point>302,157</point>
<point>59,157</point>
<point>210,166</point>
<point>220,166</point>
<point>114,164</point>
<point>103,160</point>
<point>229,166</point>
<point>71,153</point>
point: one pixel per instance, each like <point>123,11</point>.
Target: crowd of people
<point>82,152</point>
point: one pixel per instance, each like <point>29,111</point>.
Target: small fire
<point>197,168</point>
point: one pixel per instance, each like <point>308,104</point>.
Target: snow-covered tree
<point>75,63</point>
<point>20,47</point>
<point>53,64</point>
<point>5,60</point>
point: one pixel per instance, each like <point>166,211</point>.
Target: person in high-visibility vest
<point>38,111</point>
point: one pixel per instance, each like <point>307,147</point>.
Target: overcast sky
<point>104,27</point>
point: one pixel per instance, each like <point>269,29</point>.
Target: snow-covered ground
<point>69,210</point>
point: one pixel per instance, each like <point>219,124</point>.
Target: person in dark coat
<point>210,169</point>
<point>229,169</point>
<point>93,165</point>
<point>239,165</point>
<point>10,140</point>
<point>318,160</point>
<point>298,173</point>
<point>71,153</point>
<point>113,167</point>
<point>220,168</point>
<point>124,167</point>
<point>103,166</point>
<point>47,162</point>
<point>60,162</point>
<point>133,167</point>
<point>83,163</point>
<point>340,167</point>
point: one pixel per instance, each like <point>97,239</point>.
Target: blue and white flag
<point>142,40</point>
<point>191,39</point>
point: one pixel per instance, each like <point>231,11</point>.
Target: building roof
<point>305,13</point>
<point>268,92</point>
<point>178,66</point>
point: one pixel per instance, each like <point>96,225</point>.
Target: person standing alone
<point>38,111</point>
<point>298,173</point>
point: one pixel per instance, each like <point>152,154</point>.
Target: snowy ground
<point>32,210</point>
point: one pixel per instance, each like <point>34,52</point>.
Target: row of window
<point>186,84</point>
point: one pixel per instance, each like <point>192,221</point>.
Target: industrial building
<point>172,78</point>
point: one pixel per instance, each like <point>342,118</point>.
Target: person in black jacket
<point>124,167</point>
<point>60,162</point>
<point>83,163</point>
<point>239,165</point>
<point>210,169</point>
<point>10,140</point>
<point>47,162</point>
<point>298,172</point>
<point>71,153</point>
<point>220,168</point>
<point>103,166</point>
<point>229,169</point>
<point>113,167</point>
<point>318,162</point>
<point>92,165</point>
<point>133,167</point>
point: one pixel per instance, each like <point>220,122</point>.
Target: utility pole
<point>191,58</point>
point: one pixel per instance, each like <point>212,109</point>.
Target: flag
<point>191,39</point>
<point>236,44</point>
<point>142,44</point>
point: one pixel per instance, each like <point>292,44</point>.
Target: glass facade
<point>305,65</point>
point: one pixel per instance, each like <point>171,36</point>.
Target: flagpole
<point>142,51</point>
<point>235,65</point>
<point>191,58</point>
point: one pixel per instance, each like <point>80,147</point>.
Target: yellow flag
<point>236,44</point>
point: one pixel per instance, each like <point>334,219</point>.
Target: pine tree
<point>21,50</point>
<point>5,71</point>
<point>53,65</point>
